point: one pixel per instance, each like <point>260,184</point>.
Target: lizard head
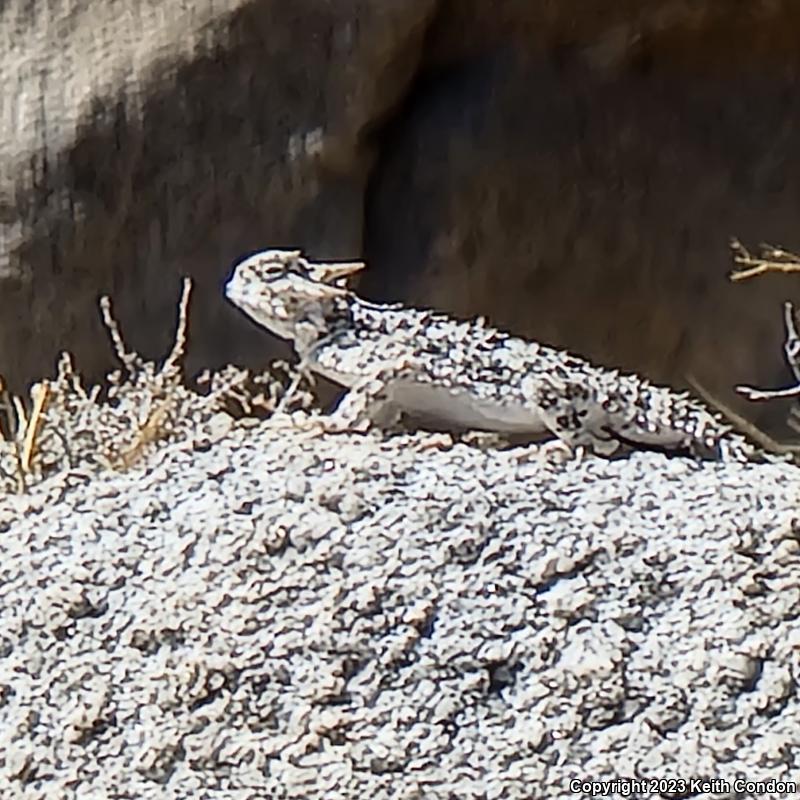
<point>279,288</point>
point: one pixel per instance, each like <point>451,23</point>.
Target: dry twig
<point>791,350</point>
<point>769,259</point>
<point>39,395</point>
<point>755,433</point>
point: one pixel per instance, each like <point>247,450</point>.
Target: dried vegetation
<point>773,259</point>
<point>64,425</point>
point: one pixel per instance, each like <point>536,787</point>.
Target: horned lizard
<point>462,374</point>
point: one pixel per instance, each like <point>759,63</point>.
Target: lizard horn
<point>332,271</point>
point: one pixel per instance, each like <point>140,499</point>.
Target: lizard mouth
<point>238,294</point>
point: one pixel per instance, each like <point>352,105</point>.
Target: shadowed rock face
<point>575,175</point>
<point>142,142</point>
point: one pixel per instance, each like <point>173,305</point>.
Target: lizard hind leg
<point>571,412</point>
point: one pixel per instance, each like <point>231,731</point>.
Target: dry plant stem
<point>130,359</point>
<point>740,423</point>
<point>302,372</point>
<point>154,426</point>
<point>751,393</point>
<point>151,431</point>
<point>172,362</point>
<point>127,359</point>
<point>21,428</point>
<point>21,416</point>
<point>13,420</point>
<point>39,400</point>
<point>793,420</point>
<point>770,259</point>
<point>791,349</point>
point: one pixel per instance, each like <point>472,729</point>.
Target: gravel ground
<point>285,614</point>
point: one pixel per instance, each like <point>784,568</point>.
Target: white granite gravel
<point>283,614</point>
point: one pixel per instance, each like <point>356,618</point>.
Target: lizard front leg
<point>369,402</point>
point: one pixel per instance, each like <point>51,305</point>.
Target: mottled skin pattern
<point>462,374</point>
